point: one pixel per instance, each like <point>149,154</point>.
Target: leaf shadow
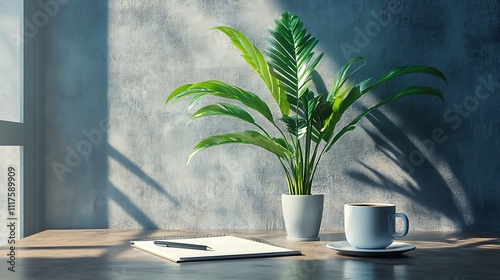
<point>420,180</point>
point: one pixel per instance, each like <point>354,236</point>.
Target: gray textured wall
<point>111,64</point>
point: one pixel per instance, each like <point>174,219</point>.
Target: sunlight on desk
<point>107,254</point>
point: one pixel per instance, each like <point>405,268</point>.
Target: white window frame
<point>29,133</point>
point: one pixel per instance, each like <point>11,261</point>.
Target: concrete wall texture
<point>116,154</point>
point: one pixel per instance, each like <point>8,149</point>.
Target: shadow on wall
<point>411,174</point>
<point>125,202</point>
<point>385,34</point>
<point>392,33</point>
<point>76,69</point>
<point>78,187</point>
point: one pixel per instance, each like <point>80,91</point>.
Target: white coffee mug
<point>372,225</point>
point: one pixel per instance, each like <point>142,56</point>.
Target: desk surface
<point>106,254</point>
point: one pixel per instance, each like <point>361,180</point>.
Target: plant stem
<point>318,160</point>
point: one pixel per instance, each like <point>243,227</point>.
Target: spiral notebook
<point>221,247</point>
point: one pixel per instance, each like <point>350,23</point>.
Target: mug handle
<point>405,227</point>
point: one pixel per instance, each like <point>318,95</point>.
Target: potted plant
<point>306,128</point>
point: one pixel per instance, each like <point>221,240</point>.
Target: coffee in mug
<point>372,225</point>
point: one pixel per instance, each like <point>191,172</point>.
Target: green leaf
<point>391,74</point>
<point>310,119</point>
<point>284,144</point>
<point>256,60</point>
<point>223,109</point>
<point>291,56</point>
<point>398,71</point>
<point>223,90</point>
<point>321,115</point>
<point>295,125</point>
<point>177,92</point>
<point>411,90</point>
<point>250,137</point>
<point>354,94</point>
<point>342,77</point>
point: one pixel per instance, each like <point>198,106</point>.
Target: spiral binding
<point>260,240</point>
<point>180,236</point>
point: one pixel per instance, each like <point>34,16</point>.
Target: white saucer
<point>344,248</point>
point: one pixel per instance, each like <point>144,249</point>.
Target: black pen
<point>181,245</point>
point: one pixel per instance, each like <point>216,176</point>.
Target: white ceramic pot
<point>302,215</point>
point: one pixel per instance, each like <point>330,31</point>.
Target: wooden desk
<point>106,254</point>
